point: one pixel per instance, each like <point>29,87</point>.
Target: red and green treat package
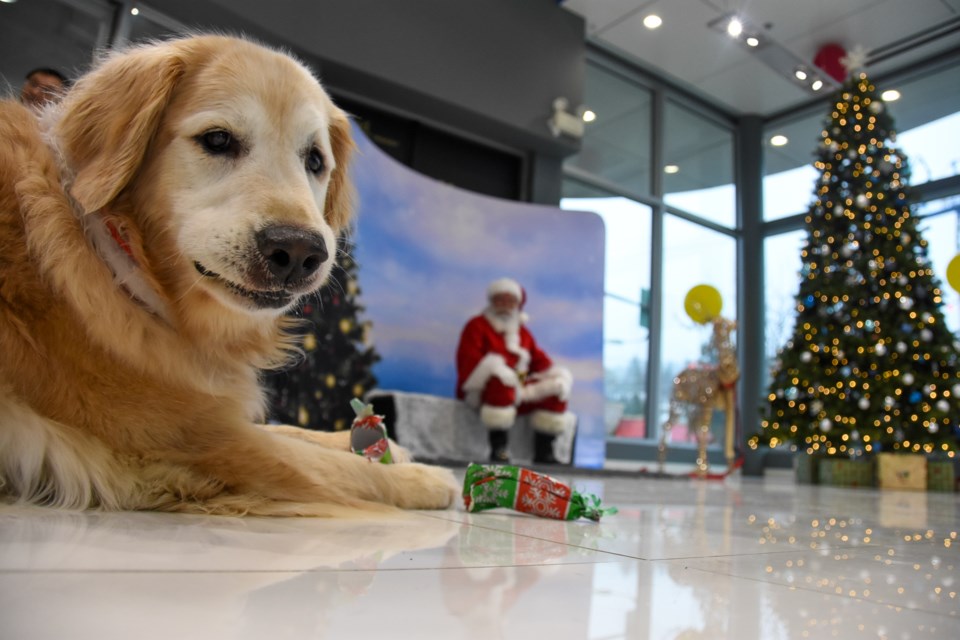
<point>488,486</point>
<point>368,434</point>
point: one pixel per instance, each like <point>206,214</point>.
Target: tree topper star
<point>855,60</point>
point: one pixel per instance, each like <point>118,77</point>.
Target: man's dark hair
<point>50,72</point>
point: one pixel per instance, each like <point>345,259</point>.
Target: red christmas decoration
<point>829,58</point>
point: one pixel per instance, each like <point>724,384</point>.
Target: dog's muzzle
<point>291,254</point>
<point>281,268</point>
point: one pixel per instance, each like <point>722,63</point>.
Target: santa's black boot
<point>499,446</point>
<point>543,448</point>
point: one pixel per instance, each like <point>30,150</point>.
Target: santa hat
<point>507,285</point>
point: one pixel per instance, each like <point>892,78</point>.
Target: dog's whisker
<point>192,286</point>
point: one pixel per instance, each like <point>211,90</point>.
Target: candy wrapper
<point>490,486</point>
<point>368,434</point>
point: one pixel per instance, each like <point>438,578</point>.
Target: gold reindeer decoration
<point>702,388</point>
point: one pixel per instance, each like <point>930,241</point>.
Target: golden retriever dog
<point>154,228</point>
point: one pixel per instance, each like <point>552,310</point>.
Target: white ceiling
<point>894,33</point>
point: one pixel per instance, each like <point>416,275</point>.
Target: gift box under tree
<point>846,472</point>
<point>807,467</point>
<point>905,471</point>
<point>941,475</point>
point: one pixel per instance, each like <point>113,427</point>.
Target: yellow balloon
<point>953,273</point>
<point>703,303</point>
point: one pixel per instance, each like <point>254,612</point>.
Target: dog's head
<point>221,163</point>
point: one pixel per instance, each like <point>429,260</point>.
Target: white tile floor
<point>744,558</point>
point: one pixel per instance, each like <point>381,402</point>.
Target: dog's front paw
<point>421,486</point>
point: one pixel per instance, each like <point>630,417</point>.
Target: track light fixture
<point>739,28</point>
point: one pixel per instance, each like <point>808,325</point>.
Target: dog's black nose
<point>291,253</point>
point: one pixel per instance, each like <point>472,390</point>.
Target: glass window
<point>940,227</point>
<point>692,255</point>
<point>616,146</point>
<point>48,33</point>
<point>788,172</point>
<point>698,166</point>
<point>781,273</point>
<point>926,115</point>
<point>929,158</point>
<point>625,308</point>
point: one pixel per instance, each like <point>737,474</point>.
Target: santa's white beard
<point>508,324</point>
<point>505,322</point>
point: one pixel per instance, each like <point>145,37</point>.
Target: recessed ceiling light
<point>589,116</point>
<point>135,11</point>
<point>8,1</point>
<point>801,74</point>
<point>817,84</point>
<point>735,27</point>
<point>779,140</point>
<point>890,95</point>
<point>671,168</point>
<point>652,21</point>
<point>753,41</point>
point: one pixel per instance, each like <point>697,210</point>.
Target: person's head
<point>42,86</point>
<point>505,297</point>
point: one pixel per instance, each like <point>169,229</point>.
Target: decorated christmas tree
<point>337,364</point>
<point>871,365</point>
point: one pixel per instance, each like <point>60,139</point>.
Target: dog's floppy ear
<point>109,117</point>
<point>340,194</point>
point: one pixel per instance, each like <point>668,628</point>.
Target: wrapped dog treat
<point>368,434</point>
<point>491,486</point>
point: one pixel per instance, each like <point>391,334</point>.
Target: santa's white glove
<point>507,376</point>
<point>555,382</point>
<point>545,388</point>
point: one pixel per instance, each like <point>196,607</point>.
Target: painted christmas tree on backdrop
<point>871,365</point>
<point>337,365</point>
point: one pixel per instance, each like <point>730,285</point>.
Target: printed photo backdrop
<point>426,252</point>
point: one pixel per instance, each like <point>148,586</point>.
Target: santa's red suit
<point>502,372</point>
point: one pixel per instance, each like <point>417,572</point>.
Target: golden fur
<point>129,368</point>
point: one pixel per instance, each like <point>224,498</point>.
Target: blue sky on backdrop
<point>426,252</point>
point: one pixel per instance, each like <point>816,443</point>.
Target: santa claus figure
<point>503,373</point>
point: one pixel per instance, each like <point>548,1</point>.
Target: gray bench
<point>444,429</point>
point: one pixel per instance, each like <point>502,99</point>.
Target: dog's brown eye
<point>219,142</point>
<point>314,161</point>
